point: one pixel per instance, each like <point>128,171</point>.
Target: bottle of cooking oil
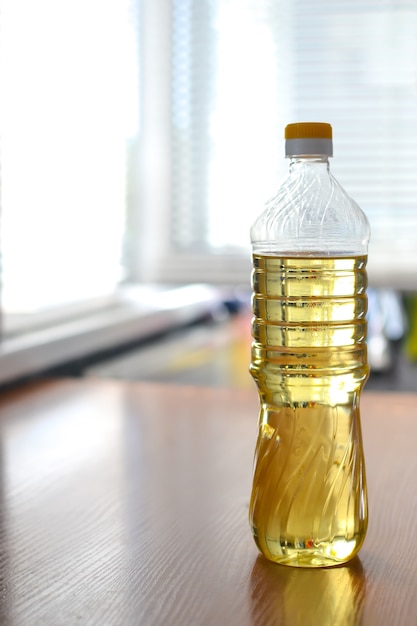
<point>309,502</point>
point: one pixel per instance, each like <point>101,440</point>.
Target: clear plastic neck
<point>319,160</point>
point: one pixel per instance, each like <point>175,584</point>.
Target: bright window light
<point>68,104</point>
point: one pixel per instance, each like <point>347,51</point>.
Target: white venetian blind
<point>356,66</point>
<point>242,70</point>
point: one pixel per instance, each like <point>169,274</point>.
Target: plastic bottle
<point>309,502</point>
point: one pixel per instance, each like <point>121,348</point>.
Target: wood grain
<point>126,503</point>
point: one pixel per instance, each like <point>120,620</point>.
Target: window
<point>83,209</point>
<point>239,71</point>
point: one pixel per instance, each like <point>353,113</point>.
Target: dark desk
<point>126,503</point>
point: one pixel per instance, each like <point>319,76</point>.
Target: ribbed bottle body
<point>309,505</point>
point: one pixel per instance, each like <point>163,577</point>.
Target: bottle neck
<point>318,162</point>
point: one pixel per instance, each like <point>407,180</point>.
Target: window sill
<point>132,314</point>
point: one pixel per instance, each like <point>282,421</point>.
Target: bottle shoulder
<point>311,212</point>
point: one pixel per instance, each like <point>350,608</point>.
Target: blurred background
<point>139,140</point>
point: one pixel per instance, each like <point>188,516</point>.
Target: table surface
<point>126,503</point>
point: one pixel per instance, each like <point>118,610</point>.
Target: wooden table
<point>126,503</point>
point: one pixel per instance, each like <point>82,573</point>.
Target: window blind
<point>194,71</point>
<point>356,66</point>
<point>242,70</point>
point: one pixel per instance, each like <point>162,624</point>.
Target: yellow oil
<point>309,503</point>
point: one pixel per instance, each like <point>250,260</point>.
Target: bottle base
<point>326,554</point>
